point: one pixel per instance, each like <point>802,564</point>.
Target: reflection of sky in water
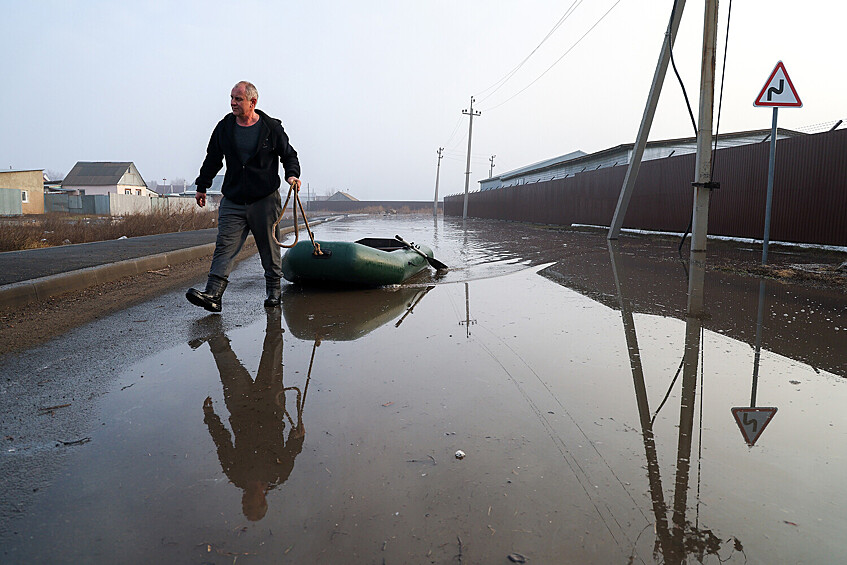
<point>538,389</point>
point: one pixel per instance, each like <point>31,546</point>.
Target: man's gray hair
<point>250,89</point>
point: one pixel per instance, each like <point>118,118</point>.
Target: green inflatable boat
<point>367,262</point>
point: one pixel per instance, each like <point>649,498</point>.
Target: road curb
<point>24,292</point>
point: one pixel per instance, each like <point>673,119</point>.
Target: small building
<point>578,161</point>
<point>341,197</point>
<point>28,195</point>
<point>213,193</point>
<point>105,177</point>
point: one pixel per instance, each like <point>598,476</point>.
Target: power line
<point>556,62</point>
<point>455,129</point>
<point>511,73</point>
<point>681,84</point>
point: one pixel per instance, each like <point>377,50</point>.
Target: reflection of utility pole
<point>471,113</point>
<point>491,168</point>
<point>676,543</point>
<point>467,322</point>
<point>693,327</point>
<point>653,473</point>
<point>437,174</point>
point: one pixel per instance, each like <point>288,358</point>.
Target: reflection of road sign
<point>752,422</point>
<point>778,90</point>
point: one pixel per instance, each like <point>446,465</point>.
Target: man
<point>253,144</point>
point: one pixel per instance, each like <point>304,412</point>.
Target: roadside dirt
<point>38,322</point>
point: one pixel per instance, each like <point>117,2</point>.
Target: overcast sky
<point>368,90</point>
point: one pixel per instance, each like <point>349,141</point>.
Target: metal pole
<point>470,113</point>
<point>437,174</point>
<point>703,168</point>
<point>491,169</point>
<point>771,166</point>
<point>646,122</point>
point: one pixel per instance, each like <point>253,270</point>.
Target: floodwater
<point>599,422</point>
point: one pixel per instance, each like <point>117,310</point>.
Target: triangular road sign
<point>752,422</point>
<point>778,91</point>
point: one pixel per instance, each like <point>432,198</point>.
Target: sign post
<point>778,92</point>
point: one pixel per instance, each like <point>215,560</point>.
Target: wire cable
<point>556,62</point>
<point>455,129</point>
<point>511,73</point>
<point>678,78</point>
<point>720,99</point>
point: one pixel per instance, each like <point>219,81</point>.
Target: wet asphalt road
<point>325,432</point>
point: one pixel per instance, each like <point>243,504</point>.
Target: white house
<point>106,178</point>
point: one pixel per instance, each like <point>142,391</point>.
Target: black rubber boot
<point>210,299</point>
<point>274,295</point>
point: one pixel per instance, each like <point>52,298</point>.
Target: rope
<point>294,206</point>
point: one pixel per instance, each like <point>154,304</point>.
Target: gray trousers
<point>235,221</point>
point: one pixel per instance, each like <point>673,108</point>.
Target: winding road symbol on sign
<point>779,91</point>
<point>752,422</point>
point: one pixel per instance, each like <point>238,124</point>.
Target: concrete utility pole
<point>703,185</point>
<point>470,113</point>
<point>437,174</point>
<point>491,169</point>
<point>646,122</point>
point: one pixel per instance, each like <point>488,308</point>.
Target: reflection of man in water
<point>258,459</point>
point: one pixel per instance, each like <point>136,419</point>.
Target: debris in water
<point>460,454</point>
<point>49,409</point>
<point>76,441</point>
<point>517,558</point>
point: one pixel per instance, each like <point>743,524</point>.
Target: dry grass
<point>50,230</point>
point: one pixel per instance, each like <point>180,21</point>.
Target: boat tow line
<point>297,204</point>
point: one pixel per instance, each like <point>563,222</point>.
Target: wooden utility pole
<point>437,174</point>
<point>646,121</point>
<point>703,185</point>
<point>471,113</point>
<point>491,168</point>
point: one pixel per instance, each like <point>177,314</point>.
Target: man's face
<point>238,101</point>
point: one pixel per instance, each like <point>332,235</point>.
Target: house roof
<point>217,186</point>
<point>341,196</point>
<point>99,173</point>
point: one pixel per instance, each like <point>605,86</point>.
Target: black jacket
<point>259,176</point>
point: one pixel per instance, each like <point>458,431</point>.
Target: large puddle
<point>598,422</point>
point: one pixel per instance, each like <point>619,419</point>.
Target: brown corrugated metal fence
<point>809,206</point>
